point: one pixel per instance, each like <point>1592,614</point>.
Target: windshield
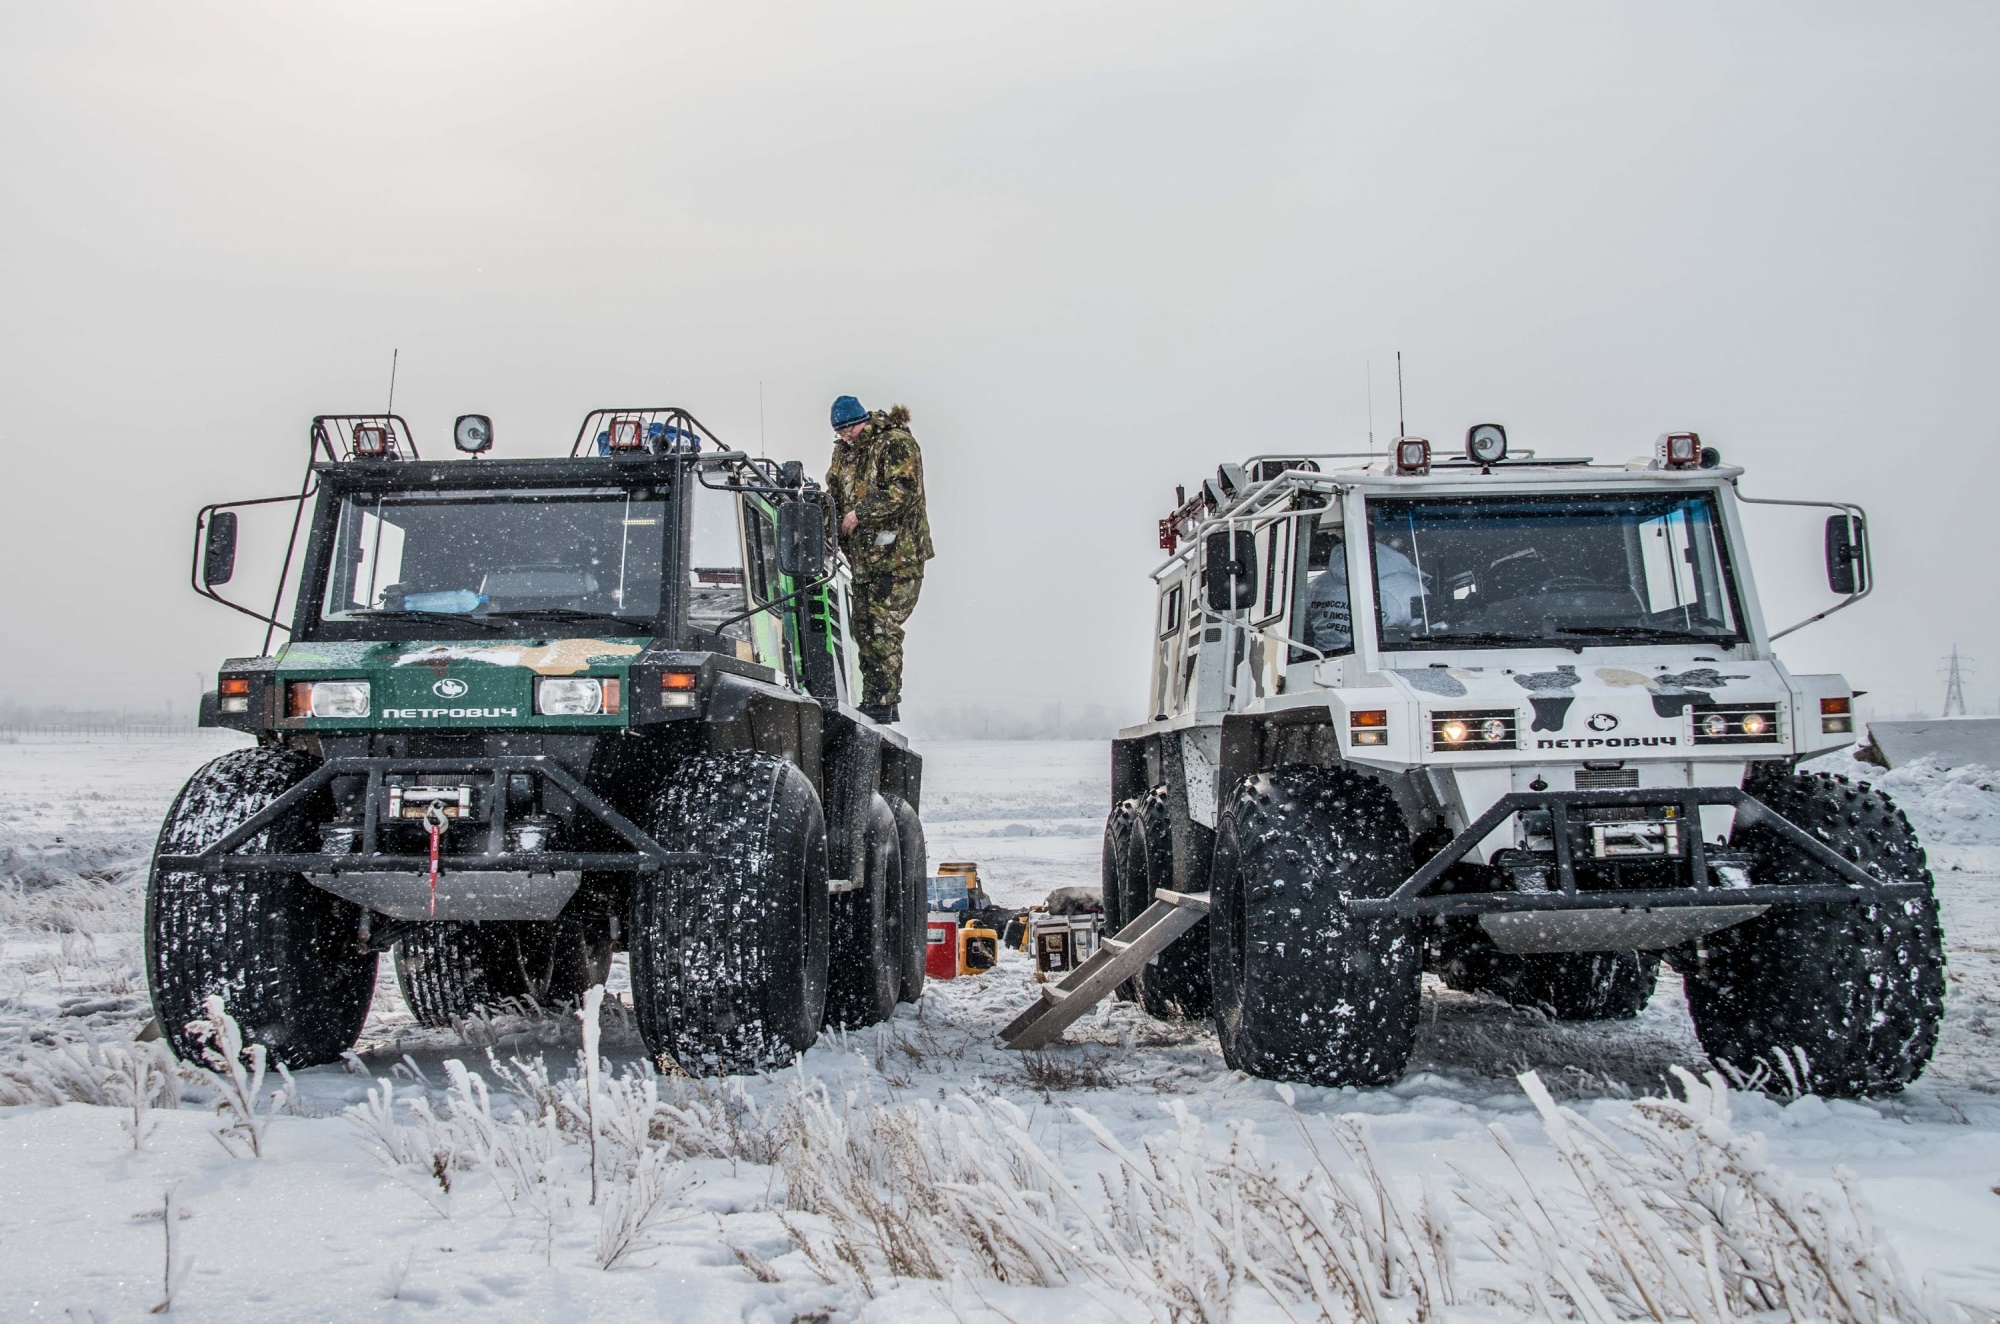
<point>534,554</point>
<point>1497,572</point>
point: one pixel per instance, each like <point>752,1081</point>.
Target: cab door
<point>774,632</point>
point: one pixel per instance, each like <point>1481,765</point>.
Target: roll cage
<point>680,446</point>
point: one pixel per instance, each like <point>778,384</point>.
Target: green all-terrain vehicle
<point>531,712</point>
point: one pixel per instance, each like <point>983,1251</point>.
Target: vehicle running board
<point>1117,960</point>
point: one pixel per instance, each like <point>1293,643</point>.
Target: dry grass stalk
<point>925,1188</point>
<point>1051,1072</point>
<point>1692,1224</point>
<point>637,1206</point>
<point>1197,1223</point>
<point>109,1075</point>
<point>235,1072</point>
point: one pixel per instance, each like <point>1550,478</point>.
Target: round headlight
<point>1754,724</point>
<point>1715,724</point>
<point>1486,443</point>
<point>1494,731</point>
<point>472,433</point>
<point>1454,732</point>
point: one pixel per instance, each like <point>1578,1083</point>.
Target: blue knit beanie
<point>848,411</point>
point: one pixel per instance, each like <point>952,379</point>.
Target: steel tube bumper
<point>1413,899</point>
<point>226,856</point>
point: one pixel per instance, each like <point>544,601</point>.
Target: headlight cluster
<point>1495,729</point>
<point>327,698</point>
<point>1736,724</point>
<point>576,696</point>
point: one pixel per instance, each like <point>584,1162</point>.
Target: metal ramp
<point>1117,960</point>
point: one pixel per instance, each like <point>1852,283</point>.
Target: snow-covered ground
<point>322,1227</point>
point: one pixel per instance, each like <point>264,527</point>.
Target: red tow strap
<point>435,821</point>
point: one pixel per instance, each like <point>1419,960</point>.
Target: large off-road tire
<point>1176,982</point>
<point>449,970</point>
<point>865,969</point>
<point>1304,990</point>
<point>1117,827</point>
<point>729,957</point>
<point>1858,987</point>
<point>285,956</point>
<point>1569,986</point>
<point>916,897</point>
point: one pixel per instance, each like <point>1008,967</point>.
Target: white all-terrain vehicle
<point>1517,721</point>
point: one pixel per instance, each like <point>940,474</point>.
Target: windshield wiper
<point>568,614</point>
<point>411,614</point>
<point>1663,632</point>
<point>1467,640</point>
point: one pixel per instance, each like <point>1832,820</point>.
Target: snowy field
<point>917,1171</point>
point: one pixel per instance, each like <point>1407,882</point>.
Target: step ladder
<point>1116,960</point>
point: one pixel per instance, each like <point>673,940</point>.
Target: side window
<point>1170,610</point>
<point>763,547</point>
<point>1273,546</point>
<point>767,629</point>
<point>717,582</point>
<point>1321,614</point>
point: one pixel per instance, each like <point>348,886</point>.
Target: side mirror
<point>218,552</point>
<point>802,539</point>
<point>1231,564</point>
<point>1846,555</point>
<point>792,474</point>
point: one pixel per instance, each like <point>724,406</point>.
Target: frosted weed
<point>1051,1072</point>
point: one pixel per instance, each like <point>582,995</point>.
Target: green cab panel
<point>452,686</point>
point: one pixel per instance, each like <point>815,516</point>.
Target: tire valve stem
<point>434,822</point>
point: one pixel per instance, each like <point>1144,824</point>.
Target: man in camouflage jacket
<point>876,481</point>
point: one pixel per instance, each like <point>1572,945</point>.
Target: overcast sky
<point>1095,248</point>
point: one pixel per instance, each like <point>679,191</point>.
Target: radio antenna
<point>760,418</point>
<point>394,354</point>
<point>1402,428</point>
<point>1369,368</point>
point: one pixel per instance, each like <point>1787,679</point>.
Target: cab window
<point>1321,614</point>
<point>718,581</point>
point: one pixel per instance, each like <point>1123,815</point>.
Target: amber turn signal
<point>677,688</point>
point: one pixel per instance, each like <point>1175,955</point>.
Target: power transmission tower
<point>1954,686</point>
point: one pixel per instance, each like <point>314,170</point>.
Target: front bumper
<point>493,882</point>
<point>1698,861</point>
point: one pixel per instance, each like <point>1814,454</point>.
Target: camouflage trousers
<point>882,602</point>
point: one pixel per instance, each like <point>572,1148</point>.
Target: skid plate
<point>1620,930</point>
<point>487,894</point>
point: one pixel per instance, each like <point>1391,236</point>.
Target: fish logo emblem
<point>450,688</point>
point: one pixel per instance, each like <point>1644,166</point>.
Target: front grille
<point>1735,723</point>
<point>1607,779</point>
<point>1486,728</point>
